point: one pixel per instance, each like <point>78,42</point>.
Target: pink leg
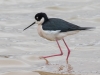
<point>55,54</point>
<point>68,50</point>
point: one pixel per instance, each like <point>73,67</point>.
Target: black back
<point>59,24</point>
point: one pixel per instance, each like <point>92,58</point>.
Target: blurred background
<point>19,50</point>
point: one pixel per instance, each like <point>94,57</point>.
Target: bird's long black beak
<point>29,26</point>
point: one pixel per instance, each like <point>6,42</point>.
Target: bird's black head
<point>40,19</point>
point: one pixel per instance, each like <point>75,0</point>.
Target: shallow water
<point>20,50</point>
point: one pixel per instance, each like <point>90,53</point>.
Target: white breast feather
<point>48,32</point>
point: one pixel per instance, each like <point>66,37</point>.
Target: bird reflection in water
<point>69,68</point>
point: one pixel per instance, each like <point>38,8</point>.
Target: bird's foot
<point>47,62</point>
<point>41,57</point>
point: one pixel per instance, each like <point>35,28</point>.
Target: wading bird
<point>55,29</point>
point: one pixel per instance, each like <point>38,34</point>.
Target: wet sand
<point>20,50</point>
<point>47,73</point>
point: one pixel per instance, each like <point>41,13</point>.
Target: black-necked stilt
<point>55,29</point>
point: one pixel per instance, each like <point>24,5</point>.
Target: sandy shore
<point>47,73</point>
<point>20,50</point>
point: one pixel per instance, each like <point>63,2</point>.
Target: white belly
<point>53,35</point>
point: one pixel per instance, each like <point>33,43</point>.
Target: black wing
<point>59,24</point>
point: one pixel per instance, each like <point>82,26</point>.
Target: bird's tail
<point>86,28</point>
